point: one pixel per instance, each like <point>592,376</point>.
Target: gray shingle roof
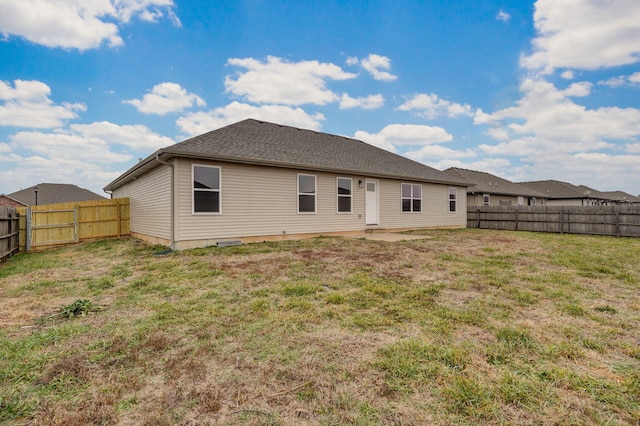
<point>622,196</point>
<point>52,193</point>
<point>487,183</point>
<point>558,189</point>
<point>257,142</point>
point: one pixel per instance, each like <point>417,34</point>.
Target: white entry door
<point>371,202</point>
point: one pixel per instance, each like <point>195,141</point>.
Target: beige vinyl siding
<point>262,201</point>
<point>435,207</point>
<point>563,202</point>
<point>494,199</point>
<point>150,196</point>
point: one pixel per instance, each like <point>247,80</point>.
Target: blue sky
<point>527,90</point>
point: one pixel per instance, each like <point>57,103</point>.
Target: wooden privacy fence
<point>53,224</point>
<point>621,221</point>
<point>9,232</point>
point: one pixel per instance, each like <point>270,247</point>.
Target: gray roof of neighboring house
<point>261,143</point>
<point>594,193</point>
<point>622,196</point>
<point>557,189</point>
<point>487,183</point>
<point>52,193</point>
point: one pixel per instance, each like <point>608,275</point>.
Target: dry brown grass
<point>467,327</point>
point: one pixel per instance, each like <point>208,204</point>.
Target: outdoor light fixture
<point>36,191</point>
<point>360,183</point>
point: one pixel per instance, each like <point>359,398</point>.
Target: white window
<point>344,195</point>
<point>411,198</point>
<point>486,199</point>
<point>453,195</point>
<point>306,193</point>
<point>206,187</point>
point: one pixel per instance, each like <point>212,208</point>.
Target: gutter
<point>172,202</point>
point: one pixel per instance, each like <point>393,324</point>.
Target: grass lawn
<point>466,327</point>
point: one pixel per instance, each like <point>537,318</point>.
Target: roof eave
<point>167,154</point>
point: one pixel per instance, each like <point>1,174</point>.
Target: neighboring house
<point>49,193</point>
<point>620,197</point>
<point>253,180</point>
<point>565,194</point>
<point>490,190</point>
<point>6,201</point>
<point>611,197</point>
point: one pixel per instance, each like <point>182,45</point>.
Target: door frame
<point>368,219</point>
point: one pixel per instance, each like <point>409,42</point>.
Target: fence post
<point>478,218</point>
<point>562,221</point>
<point>516,218</point>
<point>617,222</point>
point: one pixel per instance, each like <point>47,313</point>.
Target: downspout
<point>172,217</point>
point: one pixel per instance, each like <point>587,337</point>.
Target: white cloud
<point>556,138</point>
<point>93,143</point>
<point>394,135</point>
<point>88,155</point>
<point>277,81</point>
<point>498,133</point>
<point>568,74</point>
<point>369,102</point>
<point>503,16</point>
<point>584,34</point>
<point>547,113</point>
<point>613,82</point>
<point>138,138</point>
<point>165,98</point>
<point>27,104</point>
<point>66,146</point>
<point>204,121</point>
<point>378,67</point>
<point>621,80</point>
<point>77,24</point>
<point>352,61</point>
<point>430,153</point>
<point>430,106</point>
<point>597,170</point>
<point>580,89</point>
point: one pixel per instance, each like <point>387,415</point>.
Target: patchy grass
<point>466,327</point>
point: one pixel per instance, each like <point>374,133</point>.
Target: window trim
<point>454,199</point>
<point>338,195</point>
<point>193,190</point>
<point>315,193</point>
<point>488,197</point>
<point>411,198</point>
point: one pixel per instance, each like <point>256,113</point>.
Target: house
<point>253,180</point>
<point>565,194</point>
<point>490,190</point>
<point>48,193</point>
<point>7,201</point>
<point>621,197</point>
